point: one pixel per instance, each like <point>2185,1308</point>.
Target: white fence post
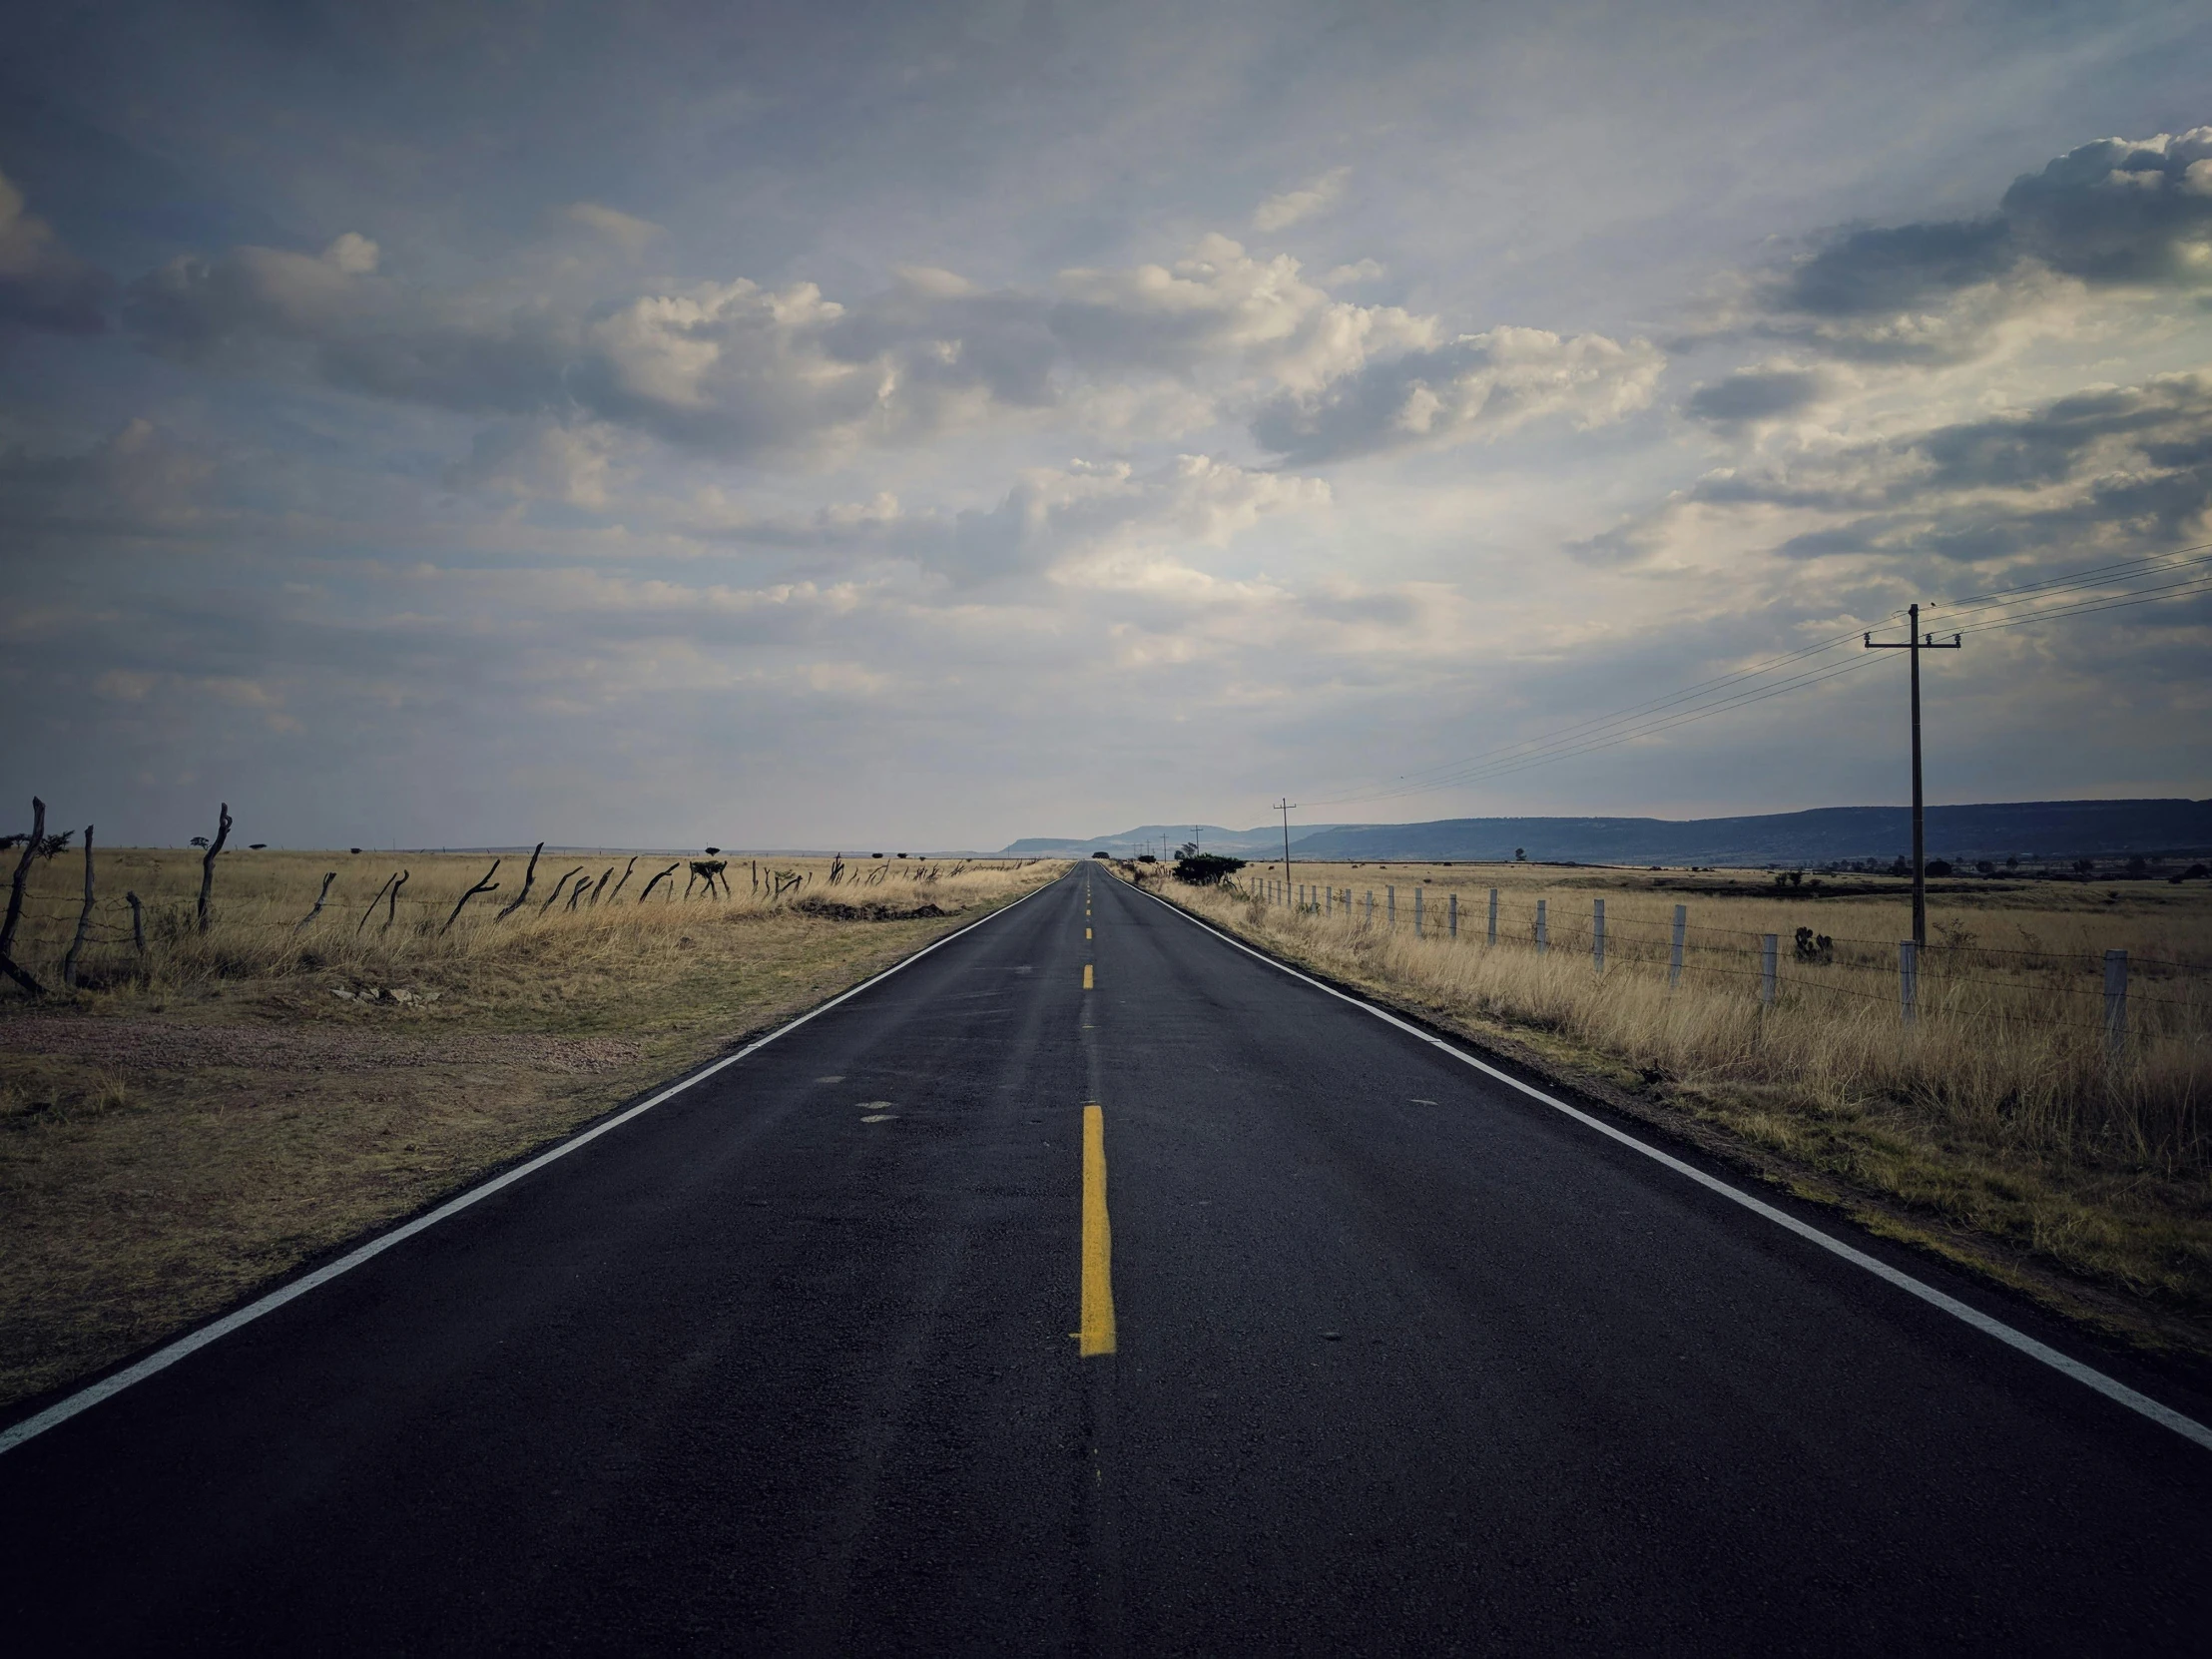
<point>2115,1002</point>
<point>1417,913</point>
<point>1543,936</point>
<point>1597,936</point>
<point>1451,915</point>
<point>1493,917</point>
<point>1908,981</point>
<point>1674,957</point>
<point>1770,948</point>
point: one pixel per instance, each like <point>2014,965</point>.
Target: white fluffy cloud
<point>740,369</point>
<point>1483,385</point>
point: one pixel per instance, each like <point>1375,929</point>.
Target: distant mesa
<point>1995,829</point>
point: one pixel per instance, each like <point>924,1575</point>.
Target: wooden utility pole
<point>1916,644</point>
<point>1283,807</point>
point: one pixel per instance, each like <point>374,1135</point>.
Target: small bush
<point>1207,869</point>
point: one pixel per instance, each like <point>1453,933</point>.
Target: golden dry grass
<point>208,1118</point>
<point>2000,1112</point>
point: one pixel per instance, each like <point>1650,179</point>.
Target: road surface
<point>1337,1344</point>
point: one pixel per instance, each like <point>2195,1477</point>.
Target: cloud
<point>539,461</point>
<point>43,284</point>
<point>1360,271</point>
<point>1088,520</point>
<point>738,370</point>
<point>1478,386</point>
<point>1280,213</point>
<point>2117,212</point>
<point>626,231</point>
<point>141,481</point>
<point>2109,470</point>
<point>1754,395</point>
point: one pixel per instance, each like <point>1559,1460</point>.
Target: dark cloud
<point>2126,467</point>
<point>42,283</point>
<point>1876,271</point>
<point>1755,394</point>
<point>2116,212</point>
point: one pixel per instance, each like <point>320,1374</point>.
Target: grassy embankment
<point>199,1120</point>
<point>1997,1130</point>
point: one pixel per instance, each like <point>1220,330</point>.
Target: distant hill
<point>2031,829</point>
<point>1148,837</point>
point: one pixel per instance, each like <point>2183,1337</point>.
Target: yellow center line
<point>1097,1335</point>
<point>1086,976</point>
<point>1086,932</point>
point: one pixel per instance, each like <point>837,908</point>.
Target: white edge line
<point>2088,1375</point>
<point>162,1358</point>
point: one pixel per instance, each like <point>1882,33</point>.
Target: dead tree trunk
<point>619,885</point>
<point>372,903</point>
<point>557,887</point>
<point>575,897</point>
<point>529,876</point>
<point>601,887</point>
<point>84,921</point>
<point>301,926</point>
<point>15,901</point>
<point>207,865</point>
<point>657,879</point>
<point>391,905</point>
<point>487,884</point>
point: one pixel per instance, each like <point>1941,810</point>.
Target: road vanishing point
<point>1091,1284</point>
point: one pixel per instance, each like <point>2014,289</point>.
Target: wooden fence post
<point>1597,936</point>
<point>2115,994</point>
<point>1416,912</point>
<point>1544,933</point>
<point>207,865</point>
<point>1492,939</point>
<point>1770,948</point>
<point>1674,957</point>
<point>1908,981</point>
<point>1451,917</point>
<point>84,920</point>
<point>22,976</point>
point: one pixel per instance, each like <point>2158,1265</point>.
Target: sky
<point>916,426</point>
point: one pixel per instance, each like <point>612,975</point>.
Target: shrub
<point>1207,869</point>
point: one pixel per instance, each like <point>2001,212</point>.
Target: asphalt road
<point>1401,1361</point>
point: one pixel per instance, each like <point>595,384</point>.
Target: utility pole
<point>1283,807</point>
<point>1916,644</point>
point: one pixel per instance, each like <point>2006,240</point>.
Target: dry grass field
<point>2000,1126</point>
<point>198,1118</point>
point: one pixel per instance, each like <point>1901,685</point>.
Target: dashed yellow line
<point>1097,1334</point>
<point>1086,976</point>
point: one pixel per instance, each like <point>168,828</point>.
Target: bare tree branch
<point>657,879</point>
<point>626,869</point>
<point>487,884</point>
<point>392,904</point>
<point>372,903</point>
<point>529,876</point>
<point>556,893</point>
<point>301,926</point>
